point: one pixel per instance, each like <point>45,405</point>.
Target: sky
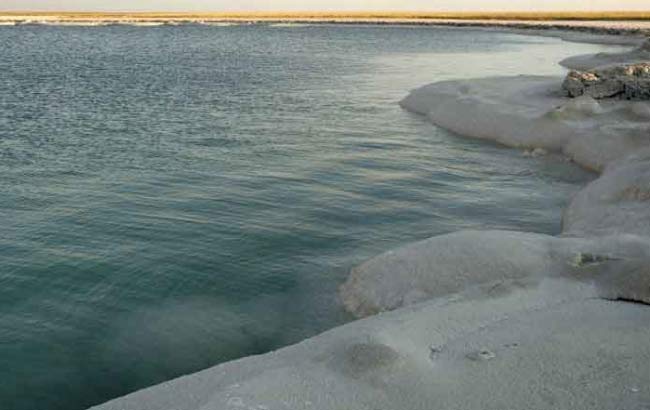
<point>322,5</point>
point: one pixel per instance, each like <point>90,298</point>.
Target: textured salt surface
<point>532,346</point>
<point>490,260</point>
<point>488,320</point>
<point>529,112</point>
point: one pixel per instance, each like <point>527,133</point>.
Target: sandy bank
<point>483,320</point>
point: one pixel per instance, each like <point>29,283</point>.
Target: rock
<point>631,82</point>
<point>638,90</point>
<point>579,83</point>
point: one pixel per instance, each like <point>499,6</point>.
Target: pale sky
<point>308,5</point>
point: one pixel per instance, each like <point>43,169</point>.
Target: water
<point>174,197</point>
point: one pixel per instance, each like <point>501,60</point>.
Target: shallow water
<point>174,197</point>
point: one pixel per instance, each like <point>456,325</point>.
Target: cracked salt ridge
<point>487,320</point>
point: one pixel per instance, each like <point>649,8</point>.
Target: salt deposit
<point>534,344</point>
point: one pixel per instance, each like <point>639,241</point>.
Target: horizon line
<point>355,11</point>
<point>344,13</point>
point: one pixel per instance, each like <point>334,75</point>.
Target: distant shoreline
<point>381,15</point>
<point>610,23</point>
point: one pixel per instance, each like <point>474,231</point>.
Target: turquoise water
<point>174,197</point>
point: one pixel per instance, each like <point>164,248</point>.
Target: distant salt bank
<point>601,31</point>
<point>483,320</point>
<point>636,23</point>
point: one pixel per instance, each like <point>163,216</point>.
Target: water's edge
<point>595,36</point>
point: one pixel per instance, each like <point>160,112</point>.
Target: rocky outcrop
<point>630,82</point>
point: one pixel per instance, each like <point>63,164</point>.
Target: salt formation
<point>609,220</point>
<point>616,203</point>
<point>443,265</point>
<point>532,112</point>
<point>536,343</point>
<point>489,262</point>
